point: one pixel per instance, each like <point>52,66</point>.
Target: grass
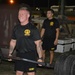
<point>6,68</point>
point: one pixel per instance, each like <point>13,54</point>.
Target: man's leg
<point>19,73</point>
<point>51,56</point>
<point>30,73</point>
<point>43,55</point>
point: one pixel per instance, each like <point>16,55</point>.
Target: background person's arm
<point>57,35</point>
<point>42,32</point>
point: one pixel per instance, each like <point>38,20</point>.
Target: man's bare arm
<point>12,46</point>
<point>39,48</point>
<point>57,35</point>
<point>42,32</point>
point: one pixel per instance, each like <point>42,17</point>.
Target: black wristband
<point>40,58</point>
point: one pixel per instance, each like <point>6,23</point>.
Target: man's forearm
<point>42,32</point>
<point>12,46</point>
<point>11,49</point>
<point>57,33</point>
<point>39,50</point>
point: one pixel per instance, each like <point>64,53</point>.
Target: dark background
<point>40,3</point>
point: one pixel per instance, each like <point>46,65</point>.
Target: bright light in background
<point>12,1</point>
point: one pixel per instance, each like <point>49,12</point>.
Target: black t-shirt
<point>50,27</point>
<point>25,36</point>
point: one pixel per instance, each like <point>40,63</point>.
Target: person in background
<point>49,34</point>
<point>26,38</point>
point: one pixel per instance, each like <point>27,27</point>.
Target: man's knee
<point>19,73</point>
<point>51,52</point>
<point>30,73</point>
<point>43,51</point>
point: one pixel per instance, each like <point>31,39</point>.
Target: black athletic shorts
<point>26,66</point>
<point>48,44</point>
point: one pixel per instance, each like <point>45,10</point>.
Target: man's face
<point>49,14</point>
<point>23,15</point>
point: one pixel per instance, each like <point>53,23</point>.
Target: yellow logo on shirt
<point>27,32</point>
<point>52,48</point>
<point>31,69</point>
<point>51,23</point>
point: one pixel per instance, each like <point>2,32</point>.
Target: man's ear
<point>28,15</point>
<point>52,14</point>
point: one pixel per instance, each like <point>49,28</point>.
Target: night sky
<point>40,3</point>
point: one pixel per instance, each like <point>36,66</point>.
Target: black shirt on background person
<point>49,34</point>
